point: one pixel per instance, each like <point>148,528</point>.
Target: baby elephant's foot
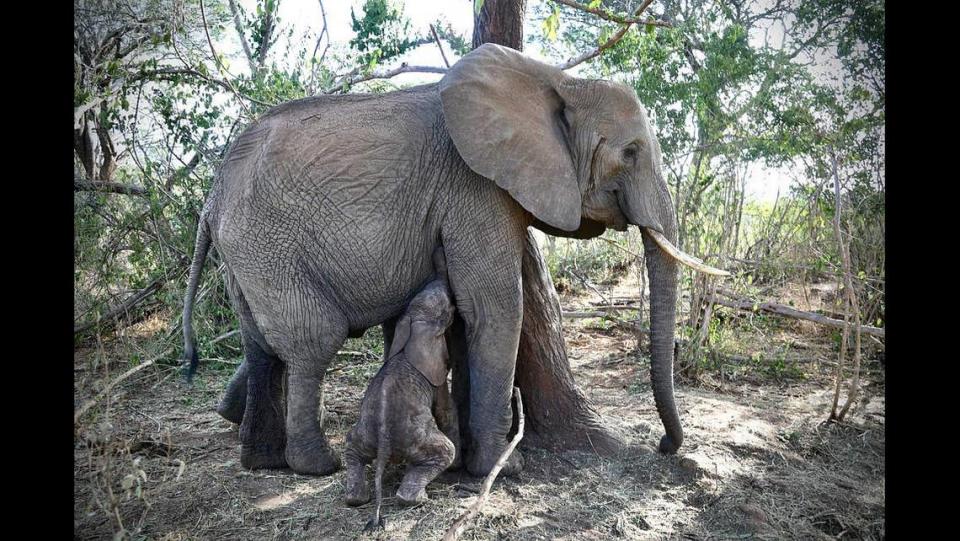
<point>356,490</point>
<point>412,495</point>
<point>357,495</point>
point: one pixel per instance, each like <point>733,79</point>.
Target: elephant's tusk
<point>682,257</point>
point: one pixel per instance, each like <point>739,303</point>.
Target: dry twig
<point>436,38</point>
<point>458,527</point>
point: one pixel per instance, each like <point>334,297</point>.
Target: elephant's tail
<point>196,267</point>
<point>383,454</point>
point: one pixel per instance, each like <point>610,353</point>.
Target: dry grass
<point>157,461</point>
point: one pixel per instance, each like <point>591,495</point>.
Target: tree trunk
<point>558,414</point>
<point>500,22</point>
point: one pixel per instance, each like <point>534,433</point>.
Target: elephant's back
<point>347,155</point>
<point>334,189</point>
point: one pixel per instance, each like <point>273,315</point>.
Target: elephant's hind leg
<point>234,401</point>
<point>426,462</point>
<point>307,346</point>
<point>262,430</point>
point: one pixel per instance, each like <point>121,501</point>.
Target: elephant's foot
<point>484,457</point>
<point>231,409</point>
<point>262,457</point>
<point>314,457</point>
<point>356,490</point>
<point>412,495</point>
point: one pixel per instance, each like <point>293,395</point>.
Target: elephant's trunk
<point>653,212</point>
<point>662,274</point>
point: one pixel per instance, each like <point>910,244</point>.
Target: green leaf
<point>477,6</point>
<point>551,24</point>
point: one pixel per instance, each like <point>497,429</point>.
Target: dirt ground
<point>758,463</point>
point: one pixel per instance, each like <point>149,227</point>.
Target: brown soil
<point>758,462</point>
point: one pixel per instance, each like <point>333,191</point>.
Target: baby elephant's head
<point>419,334</point>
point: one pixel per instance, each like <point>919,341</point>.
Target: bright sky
<point>305,18</point>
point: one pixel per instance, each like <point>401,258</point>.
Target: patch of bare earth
<point>757,461</point>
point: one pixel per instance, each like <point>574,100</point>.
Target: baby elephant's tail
<point>377,522</point>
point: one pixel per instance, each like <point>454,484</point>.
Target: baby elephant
<point>405,402</point>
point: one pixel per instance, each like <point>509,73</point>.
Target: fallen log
<point>786,311</point>
<point>740,304</point>
<point>132,301</point>
<point>123,307</point>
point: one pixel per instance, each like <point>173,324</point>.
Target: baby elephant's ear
<point>401,335</point>
<point>427,352</point>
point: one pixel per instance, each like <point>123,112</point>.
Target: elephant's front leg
<point>488,295</point>
<point>492,357</point>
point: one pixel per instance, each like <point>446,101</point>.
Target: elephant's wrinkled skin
<point>327,209</point>
<point>406,413</point>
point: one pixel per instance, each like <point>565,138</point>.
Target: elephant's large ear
<point>503,113</point>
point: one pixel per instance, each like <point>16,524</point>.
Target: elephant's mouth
<point>682,257</point>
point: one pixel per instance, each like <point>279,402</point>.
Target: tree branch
<point>627,24</point>
<point>437,39</point>
<point>457,528</point>
<point>106,390</point>
<point>81,185</point>
<point>133,300</point>
<point>608,16</point>
<point>404,68</point>
<point>238,24</point>
<point>781,310</point>
<point>216,58</point>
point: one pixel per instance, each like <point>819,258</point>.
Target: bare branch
<point>626,25</point>
<point>81,185</point>
<point>458,527</point>
<point>437,39</point>
<point>166,73</point>
<point>216,58</point>
<point>782,310</point>
<point>106,390</point>
<point>238,24</point>
<point>265,43</point>
<point>132,301</point>
<point>352,79</point>
<point>608,16</point>
<point>323,32</point>
<point>123,307</point>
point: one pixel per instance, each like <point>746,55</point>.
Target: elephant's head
<point>419,333</point>
<point>580,156</point>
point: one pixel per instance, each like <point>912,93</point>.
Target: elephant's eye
<point>630,154</point>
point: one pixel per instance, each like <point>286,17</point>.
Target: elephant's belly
<point>365,276</point>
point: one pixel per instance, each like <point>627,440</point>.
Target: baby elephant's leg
<point>425,463</point>
<point>356,458</point>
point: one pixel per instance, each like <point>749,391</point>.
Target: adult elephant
<point>327,209</point>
